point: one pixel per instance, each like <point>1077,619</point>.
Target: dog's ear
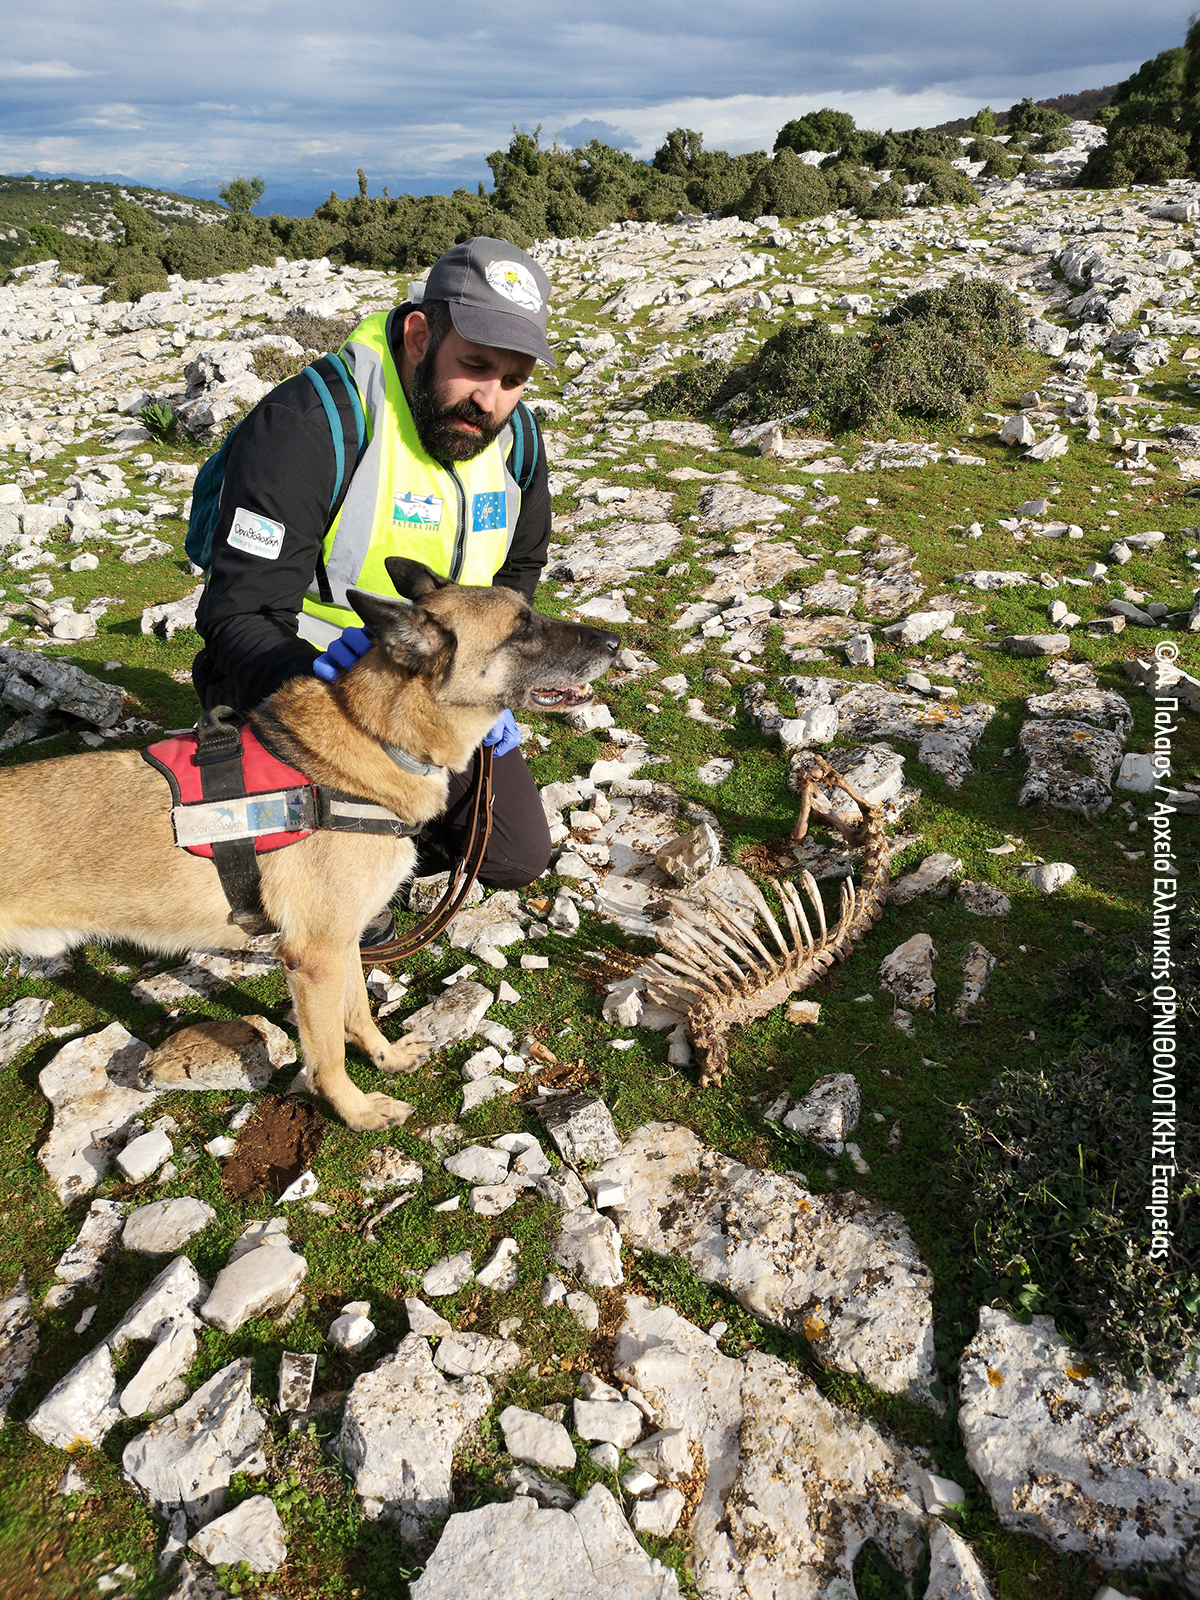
<point>412,638</point>
<point>413,579</point>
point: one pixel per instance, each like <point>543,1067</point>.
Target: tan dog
<point>87,849</point>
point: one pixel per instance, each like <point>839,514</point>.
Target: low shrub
<point>849,185</point>
<point>944,184</point>
<point>695,391</point>
<point>885,205</point>
<point>932,357</point>
<point>1053,1165</point>
<point>1027,118</point>
<point>1143,153</point>
<point>785,186</point>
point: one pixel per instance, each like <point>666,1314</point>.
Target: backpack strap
<point>340,400</point>
<point>526,447</point>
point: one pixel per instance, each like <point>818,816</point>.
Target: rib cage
<point>719,973</point>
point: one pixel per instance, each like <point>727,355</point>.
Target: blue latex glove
<point>504,736</point>
<point>343,653</point>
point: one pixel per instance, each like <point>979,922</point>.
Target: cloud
<point>39,70</point>
<point>588,128</point>
<point>202,89</point>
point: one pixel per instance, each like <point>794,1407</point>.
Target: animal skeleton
<point>716,970</point>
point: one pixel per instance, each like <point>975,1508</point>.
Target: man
<point>439,382</point>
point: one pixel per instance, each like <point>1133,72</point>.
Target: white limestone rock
<point>88,1402</point>
<point>223,1053</point>
<point>590,1245</point>
<point>691,856</point>
<point>460,1354</point>
<point>793,1486</point>
<point>20,1024</point>
<point>447,1274</point>
<point>1076,1458</point>
<point>18,1343</point>
<point>562,1187</point>
<point>1050,876</point>
<point>479,1164</point>
<point>164,1226</point>
<point>977,966</point>
<point>189,1457</point>
<point>452,1017</point>
<point>615,1422</point>
<point>535,1439</point>
<point>399,1429</point>
<point>519,1549</point>
<point>296,1375</point>
<point>492,925</point>
<point>581,1129</point>
<point>666,1455</point>
<point>499,1271</point>
<point>935,873</point>
<point>90,1083</point>
<point>251,1284</point>
<point>907,973</point>
<point>424,1320</point>
<point>954,1573</point>
<point>829,1112</point>
<point>142,1157</point>
<point>659,1516</point>
<point>252,1532</point>
<point>834,1267</point>
<point>83,1262</point>
<point>353,1330</point>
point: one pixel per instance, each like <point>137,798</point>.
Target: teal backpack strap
<point>335,429</point>
<point>526,446</point>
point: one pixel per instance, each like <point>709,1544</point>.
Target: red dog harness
<point>233,800</point>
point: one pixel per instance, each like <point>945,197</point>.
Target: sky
<point>186,94</point>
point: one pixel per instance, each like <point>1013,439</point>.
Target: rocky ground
<point>580,1326</point>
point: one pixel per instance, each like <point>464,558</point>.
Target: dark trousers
<point>519,848</point>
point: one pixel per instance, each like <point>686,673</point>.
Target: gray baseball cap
<point>497,295</point>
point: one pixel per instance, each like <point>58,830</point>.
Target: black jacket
<point>281,465</point>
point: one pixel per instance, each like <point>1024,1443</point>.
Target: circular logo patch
<point>515,283</point>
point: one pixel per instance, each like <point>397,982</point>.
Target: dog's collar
<point>407,763</point>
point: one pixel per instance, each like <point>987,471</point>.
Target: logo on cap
<point>515,283</point>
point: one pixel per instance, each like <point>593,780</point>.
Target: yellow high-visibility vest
<point>458,518</point>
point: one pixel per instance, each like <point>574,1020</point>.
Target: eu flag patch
<point>487,511</point>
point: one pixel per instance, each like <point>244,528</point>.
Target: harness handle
<point>457,890</point>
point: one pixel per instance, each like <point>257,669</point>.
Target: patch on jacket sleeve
<point>257,536</point>
<point>487,511</point>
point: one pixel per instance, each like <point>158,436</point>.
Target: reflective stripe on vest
<point>458,519</point>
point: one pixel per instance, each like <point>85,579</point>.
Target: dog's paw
<point>375,1111</point>
<point>404,1055</point>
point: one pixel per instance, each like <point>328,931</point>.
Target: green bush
<point>786,187</point>
<point>805,365</point>
<point>885,205</point>
<point>818,130</point>
<point>1048,144</point>
<point>892,150</point>
<point>159,419</point>
<point>712,180</point>
<point>1001,166</point>
<point>984,122</point>
<point>1144,153</point>
<point>1025,117</point>
<point>696,390</point>
<point>849,185</point>
<point>944,184</point>
<point>1053,1165</point>
<point>933,356</point>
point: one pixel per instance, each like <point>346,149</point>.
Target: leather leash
<point>464,875</point>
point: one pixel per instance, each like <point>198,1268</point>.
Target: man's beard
<point>435,421</point>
